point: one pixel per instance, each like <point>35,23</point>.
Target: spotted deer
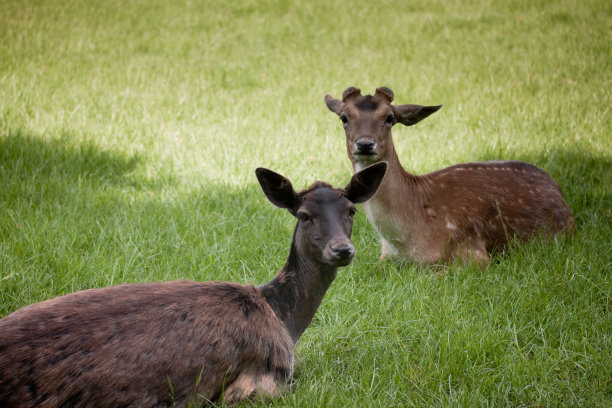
<point>170,343</point>
<point>464,211</point>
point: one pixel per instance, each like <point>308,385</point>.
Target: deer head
<point>325,214</point>
<point>368,120</point>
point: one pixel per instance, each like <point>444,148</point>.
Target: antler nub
<point>385,93</point>
<point>351,92</point>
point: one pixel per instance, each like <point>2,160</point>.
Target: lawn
<point>130,132</point>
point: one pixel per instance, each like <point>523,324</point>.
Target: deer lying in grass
<point>464,211</point>
<point>168,343</point>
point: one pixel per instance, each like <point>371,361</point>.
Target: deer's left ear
<point>278,189</point>
<point>364,184</point>
<point>410,114</point>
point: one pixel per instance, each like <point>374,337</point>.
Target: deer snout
<point>365,145</point>
<point>339,252</point>
<point>343,250</point>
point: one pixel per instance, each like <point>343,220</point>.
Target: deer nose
<point>365,146</point>
<point>343,250</point>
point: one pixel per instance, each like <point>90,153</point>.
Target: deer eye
<point>390,119</point>
<point>344,119</point>
<point>302,216</point>
<point>352,211</point>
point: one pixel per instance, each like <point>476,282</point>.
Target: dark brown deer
<point>169,343</point>
<point>464,211</point>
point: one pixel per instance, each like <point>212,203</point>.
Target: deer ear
<point>334,105</point>
<point>365,183</point>
<point>278,189</point>
<point>410,114</point>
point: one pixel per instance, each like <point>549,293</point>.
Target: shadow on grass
<point>61,167</point>
<point>25,156</point>
<point>77,216</point>
<point>65,172</point>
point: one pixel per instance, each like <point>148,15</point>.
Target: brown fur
<point>168,343</point>
<point>123,345</point>
<point>466,211</point>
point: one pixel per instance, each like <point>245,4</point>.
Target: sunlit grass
<point>130,132</point>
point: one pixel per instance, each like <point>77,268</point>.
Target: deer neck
<point>397,187</point>
<point>396,210</point>
<point>296,292</point>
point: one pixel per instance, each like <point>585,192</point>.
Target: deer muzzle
<point>339,252</point>
<point>365,148</point>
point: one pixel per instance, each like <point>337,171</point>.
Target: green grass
<point>130,132</point>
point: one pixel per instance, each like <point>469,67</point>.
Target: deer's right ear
<point>334,105</point>
<point>364,184</point>
<point>278,189</point>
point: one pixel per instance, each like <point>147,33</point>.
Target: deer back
<point>495,201</point>
<point>145,345</point>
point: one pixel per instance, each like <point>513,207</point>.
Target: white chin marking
<point>360,165</point>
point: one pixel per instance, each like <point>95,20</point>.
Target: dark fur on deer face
<point>325,217</point>
<point>464,211</point>
<point>171,343</point>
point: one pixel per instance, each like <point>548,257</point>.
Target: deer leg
<point>252,385</point>
<point>387,250</point>
<point>473,250</point>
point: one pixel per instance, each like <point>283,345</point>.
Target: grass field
<point>130,132</point>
